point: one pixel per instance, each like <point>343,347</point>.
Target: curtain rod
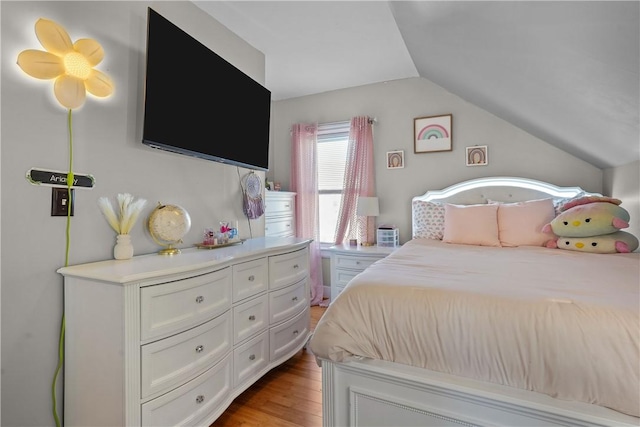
<point>372,120</point>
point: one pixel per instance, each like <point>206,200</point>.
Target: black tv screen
<point>196,103</point>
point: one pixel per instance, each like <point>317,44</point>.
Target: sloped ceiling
<point>566,72</point>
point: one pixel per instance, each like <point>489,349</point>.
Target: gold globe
<point>167,225</point>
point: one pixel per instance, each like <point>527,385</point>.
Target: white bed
<point>419,339</point>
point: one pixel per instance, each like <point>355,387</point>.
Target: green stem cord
<point>66,263</point>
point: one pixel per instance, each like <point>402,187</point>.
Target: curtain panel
<point>358,181</point>
<point>304,182</point>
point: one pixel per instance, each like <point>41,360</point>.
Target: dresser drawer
<point>287,302</point>
<point>173,307</point>
<point>172,361</point>
<point>191,402</point>
<point>279,204</point>
<point>287,269</point>
<point>287,336</point>
<point>250,317</point>
<point>250,358</point>
<point>282,227</point>
<point>354,262</point>
<point>250,278</point>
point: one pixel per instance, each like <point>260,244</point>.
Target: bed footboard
<point>372,393</point>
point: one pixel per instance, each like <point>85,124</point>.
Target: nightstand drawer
<point>354,262</point>
<point>279,204</point>
<point>344,276</point>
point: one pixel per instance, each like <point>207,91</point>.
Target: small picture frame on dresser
<point>269,185</point>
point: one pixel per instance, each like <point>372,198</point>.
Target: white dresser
<point>280,213</point>
<point>349,261</point>
<point>172,340</point>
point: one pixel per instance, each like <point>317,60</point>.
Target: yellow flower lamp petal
<point>70,64</point>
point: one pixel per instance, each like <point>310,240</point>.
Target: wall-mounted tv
<point>196,103</point>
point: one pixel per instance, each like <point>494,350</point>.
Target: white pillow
<point>520,224</point>
<point>429,220</point>
<point>471,224</point>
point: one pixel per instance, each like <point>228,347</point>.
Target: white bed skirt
<point>374,393</point>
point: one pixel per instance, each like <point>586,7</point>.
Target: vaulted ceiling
<point>568,72</point>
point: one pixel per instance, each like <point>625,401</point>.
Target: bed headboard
<point>500,188</point>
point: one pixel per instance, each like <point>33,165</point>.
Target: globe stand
<point>170,250</point>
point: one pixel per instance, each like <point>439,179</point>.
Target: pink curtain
<point>304,182</point>
<point>358,179</point>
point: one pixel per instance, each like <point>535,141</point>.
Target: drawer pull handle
<point>200,398</point>
<point>358,262</point>
<point>252,357</point>
<point>295,332</point>
<point>199,299</point>
<point>295,266</point>
<point>286,206</point>
<point>294,299</point>
<point>288,225</point>
<point>252,317</point>
<point>252,278</point>
<point>199,349</point>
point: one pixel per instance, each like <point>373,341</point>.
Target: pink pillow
<point>520,224</point>
<point>471,224</point>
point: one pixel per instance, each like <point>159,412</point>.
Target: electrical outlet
<point>60,202</point>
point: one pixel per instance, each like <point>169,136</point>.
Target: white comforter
<point>557,322</point>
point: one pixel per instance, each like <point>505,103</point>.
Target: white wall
<point>511,151</point>
<point>107,144</point>
<point>623,183</point>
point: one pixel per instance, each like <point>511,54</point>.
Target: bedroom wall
<point>511,151</point>
<point>107,135</point>
<point>623,183</point>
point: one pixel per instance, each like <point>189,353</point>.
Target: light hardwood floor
<point>289,395</point>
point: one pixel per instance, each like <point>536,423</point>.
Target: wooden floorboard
<point>289,395</point>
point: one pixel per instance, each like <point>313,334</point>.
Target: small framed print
<point>395,159</point>
<point>477,155</point>
<point>432,134</point>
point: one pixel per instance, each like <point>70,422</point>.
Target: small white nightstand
<point>347,261</point>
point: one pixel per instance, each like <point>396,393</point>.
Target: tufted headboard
<point>500,188</point>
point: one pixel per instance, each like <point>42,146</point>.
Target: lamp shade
<point>368,206</point>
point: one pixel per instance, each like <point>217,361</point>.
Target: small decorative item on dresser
<point>122,222</point>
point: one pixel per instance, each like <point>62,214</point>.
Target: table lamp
<point>367,208</point>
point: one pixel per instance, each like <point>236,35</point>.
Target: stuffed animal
<point>591,219</point>
<point>618,242</point>
<point>592,224</point>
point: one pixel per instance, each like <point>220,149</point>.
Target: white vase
<point>123,248</point>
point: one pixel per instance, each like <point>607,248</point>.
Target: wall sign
<point>58,178</point>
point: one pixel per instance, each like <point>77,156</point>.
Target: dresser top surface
<point>149,266</point>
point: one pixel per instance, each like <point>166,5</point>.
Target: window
<point>333,140</point>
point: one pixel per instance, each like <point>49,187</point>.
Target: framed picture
<point>432,134</point>
<point>395,159</point>
<point>477,155</point>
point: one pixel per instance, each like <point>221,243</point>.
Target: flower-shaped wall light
<point>70,64</point>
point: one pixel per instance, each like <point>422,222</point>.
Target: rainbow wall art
<point>432,133</point>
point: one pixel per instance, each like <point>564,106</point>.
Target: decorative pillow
<point>559,202</point>
<point>592,219</point>
<point>618,242</point>
<point>471,224</point>
<point>520,224</point>
<point>429,220</point>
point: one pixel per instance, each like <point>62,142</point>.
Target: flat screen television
<point>198,104</point>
